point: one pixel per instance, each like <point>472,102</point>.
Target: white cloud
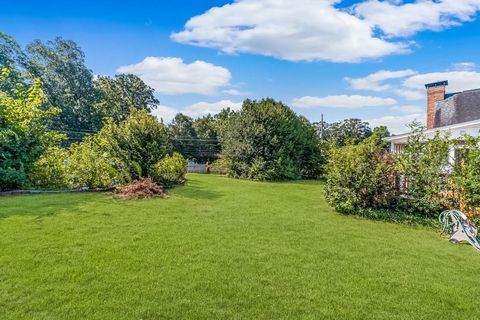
<point>172,76</point>
<point>410,94</point>
<point>457,80</point>
<point>399,19</point>
<point>234,92</point>
<point>318,30</point>
<point>374,81</point>
<point>412,86</point>
<point>167,113</point>
<point>342,101</point>
<point>409,109</point>
<point>464,66</point>
<point>397,124</point>
<point>300,30</point>
<point>203,108</point>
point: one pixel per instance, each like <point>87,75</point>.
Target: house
<point>454,113</point>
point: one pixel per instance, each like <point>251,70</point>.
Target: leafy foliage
<point>139,142</point>
<point>359,177</point>
<point>23,131</point>
<point>83,164</point>
<point>184,137</point>
<point>121,94</point>
<point>464,180</point>
<point>208,142</point>
<point>220,166</point>
<point>417,184</point>
<point>10,54</point>
<point>93,167</point>
<point>136,148</point>
<point>424,166</point>
<point>348,131</point>
<point>51,169</point>
<point>170,170</point>
<point>265,141</point>
<point>60,65</point>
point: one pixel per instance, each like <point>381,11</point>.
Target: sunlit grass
<point>224,249</point>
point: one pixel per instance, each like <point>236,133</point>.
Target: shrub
<point>51,169</point>
<point>89,165</point>
<point>219,166</point>
<point>140,189</point>
<point>425,165</point>
<point>23,129</point>
<point>464,182</point>
<point>266,140</point>
<point>170,170</point>
<point>139,142</point>
<point>360,176</point>
<point>83,164</point>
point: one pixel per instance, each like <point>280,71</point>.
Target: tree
<point>208,143</point>
<point>348,131</point>
<point>221,121</point>
<point>183,136</point>
<point>266,141</point>
<point>23,131</point>
<point>140,142</point>
<point>11,57</point>
<point>380,133</point>
<point>68,83</point>
<point>313,152</point>
<point>123,93</point>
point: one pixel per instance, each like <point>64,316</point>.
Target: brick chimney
<point>435,93</point>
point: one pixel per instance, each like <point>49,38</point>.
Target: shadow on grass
<point>194,189</point>
<point>46,205</point>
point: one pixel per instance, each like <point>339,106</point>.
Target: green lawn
<point>224,249</point>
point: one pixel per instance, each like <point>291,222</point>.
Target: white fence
<point>196,167</point>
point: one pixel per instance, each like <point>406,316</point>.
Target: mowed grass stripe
<point>219,248</point>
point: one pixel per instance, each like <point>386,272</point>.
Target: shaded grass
<point>224,249</point>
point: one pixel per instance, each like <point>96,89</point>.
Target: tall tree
<point>120,95</point>
<point>208,144</point>
<point>379,134</point>
<point>68,83</point>
<point>183,135</point>
<point>348,131</point>
<point>266,140</point>
<point>23,131</point>
<point>11,57</point>
<point>221,121</point>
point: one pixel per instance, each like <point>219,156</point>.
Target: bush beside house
<point>359,177</point>
<point>422,181</point>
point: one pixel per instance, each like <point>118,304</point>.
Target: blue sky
<point>364,59</point>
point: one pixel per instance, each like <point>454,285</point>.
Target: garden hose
<point>456,224</point>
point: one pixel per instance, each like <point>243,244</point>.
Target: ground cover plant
<point>219,248</point>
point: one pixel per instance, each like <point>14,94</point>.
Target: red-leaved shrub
<point>140,189</point>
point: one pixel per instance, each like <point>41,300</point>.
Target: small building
<point>454,113</point>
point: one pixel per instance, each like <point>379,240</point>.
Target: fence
<point>194,167</point>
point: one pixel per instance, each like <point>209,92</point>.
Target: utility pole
<point>321,128</point>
